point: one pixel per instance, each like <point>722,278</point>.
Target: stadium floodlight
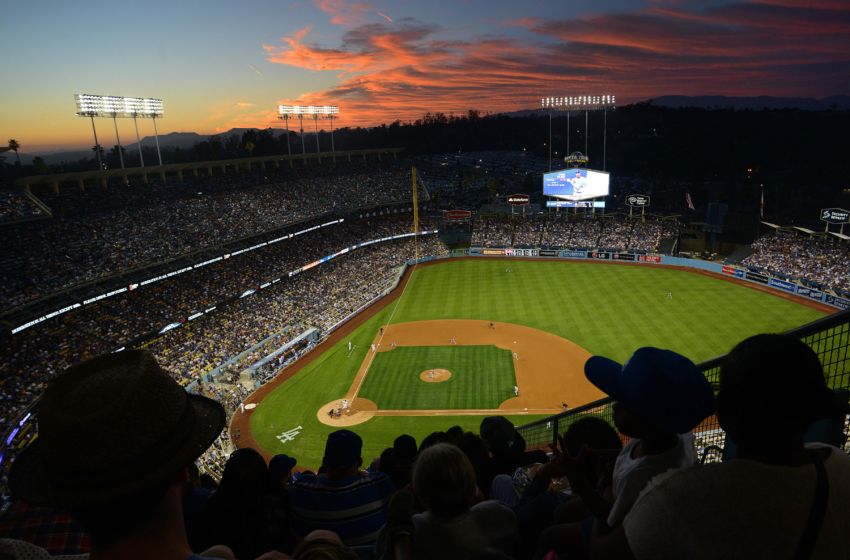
<point>579,102</point>
<point>584,103</point>
<point>91,106</point>
<point>287,112</point>
<point>114,106</point>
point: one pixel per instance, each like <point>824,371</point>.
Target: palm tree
<point>13,145</point>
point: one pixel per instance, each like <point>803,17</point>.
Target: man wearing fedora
<point>116,436</point>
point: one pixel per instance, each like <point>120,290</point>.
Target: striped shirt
<point>353,507</point>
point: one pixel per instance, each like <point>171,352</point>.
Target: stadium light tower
<point>290,111</point>
<point>287,112</point>
<point>578,103</point>
<point>124,107</point>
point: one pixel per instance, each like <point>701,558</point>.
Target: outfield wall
<point>731,271</point>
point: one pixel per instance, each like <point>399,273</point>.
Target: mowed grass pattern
<point>482,377</point>
<point>608,309</point>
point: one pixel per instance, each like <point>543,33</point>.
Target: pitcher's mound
<point>435,375</point>
<point>359,411</point>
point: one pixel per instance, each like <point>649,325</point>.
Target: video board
<point>575,204</point>
<point>576,184</point>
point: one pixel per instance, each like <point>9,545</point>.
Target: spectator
<point>397,461</point>
<point>341,498</point>
<point>116,436</point>
<point>245,513</point>
<point>507,450</point>
<point>453,525</point>
<point>660,396</point>
<point>779,498</point>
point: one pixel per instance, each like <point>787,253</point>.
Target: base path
<point>549,369</point>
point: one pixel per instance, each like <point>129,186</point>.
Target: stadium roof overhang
<point>840,235</point>
<point>80,178</point>
<point>805,230</point>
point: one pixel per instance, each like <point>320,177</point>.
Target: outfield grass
<point>482,377</point>
<point>607,309</point>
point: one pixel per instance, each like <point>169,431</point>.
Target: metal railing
<point>829,337</point>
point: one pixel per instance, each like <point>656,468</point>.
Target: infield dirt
<point>549,369</point>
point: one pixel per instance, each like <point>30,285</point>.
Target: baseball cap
<point>498,431</point>
<point>659,385</point>
<point>342,449</point>
<point>281,464</point>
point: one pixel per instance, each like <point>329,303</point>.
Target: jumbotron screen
<point>576,184</point>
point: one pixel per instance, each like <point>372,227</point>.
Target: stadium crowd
<point>15,206</point>
<point>321,297</point>
<point>98,232</point>
<point>634,492</point>
<point>613,232</point>
<point>824,260</point>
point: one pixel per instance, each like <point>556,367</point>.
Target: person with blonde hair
<point>454,526</point>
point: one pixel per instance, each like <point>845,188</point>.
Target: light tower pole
<point>156,139</point>
<point>582,102</point>
<point>118,139</point>
<point>286,112</point>
<point>285,118</point>
<point>96,145</point>
<point>120,107</point>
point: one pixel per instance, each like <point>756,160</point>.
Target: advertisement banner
<point>493,252</point>
<point>548,253</point>
<point>518,199</point>
<point>637,200</point>
<point>623,256</point>
<point>782,285</point>
<point>835,215</point>
<point>574,254</point>
<point>732,271</point>
<point>810,293</point>
<point>457,214</point>
<point>650,258</point>
<point>521,252</point>
<point>601,255</point>
<point>756,277</point>
<point>839,302</point>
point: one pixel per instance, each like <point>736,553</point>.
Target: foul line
<point>381,339</point>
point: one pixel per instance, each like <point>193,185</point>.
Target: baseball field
<point>466,338</point>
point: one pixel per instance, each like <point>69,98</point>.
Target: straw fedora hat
<point>110,428</point>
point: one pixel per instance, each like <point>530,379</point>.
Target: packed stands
<point>613,232</point>
<point>16,206</point>
<point>321,297</point>
<point>823,260</point>
<point>99,232</point>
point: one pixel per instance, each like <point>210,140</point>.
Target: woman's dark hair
<point>444,480</point>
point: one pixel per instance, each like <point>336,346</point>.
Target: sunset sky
<point>219,64</point>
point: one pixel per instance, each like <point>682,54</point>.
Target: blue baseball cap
<point>659,385</point>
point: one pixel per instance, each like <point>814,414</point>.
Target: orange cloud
<point>344,13</point>
<point>402,71</point>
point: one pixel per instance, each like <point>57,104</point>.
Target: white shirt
<point>740,509</point>
<point>632,474</point>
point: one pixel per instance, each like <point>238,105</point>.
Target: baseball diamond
<point>558,312</point>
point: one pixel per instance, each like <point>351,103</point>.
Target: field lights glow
<point>308,109</point>
<point>113,106</point>
<point>578,102</point>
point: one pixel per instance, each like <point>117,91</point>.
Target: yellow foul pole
<point>415,213</point>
